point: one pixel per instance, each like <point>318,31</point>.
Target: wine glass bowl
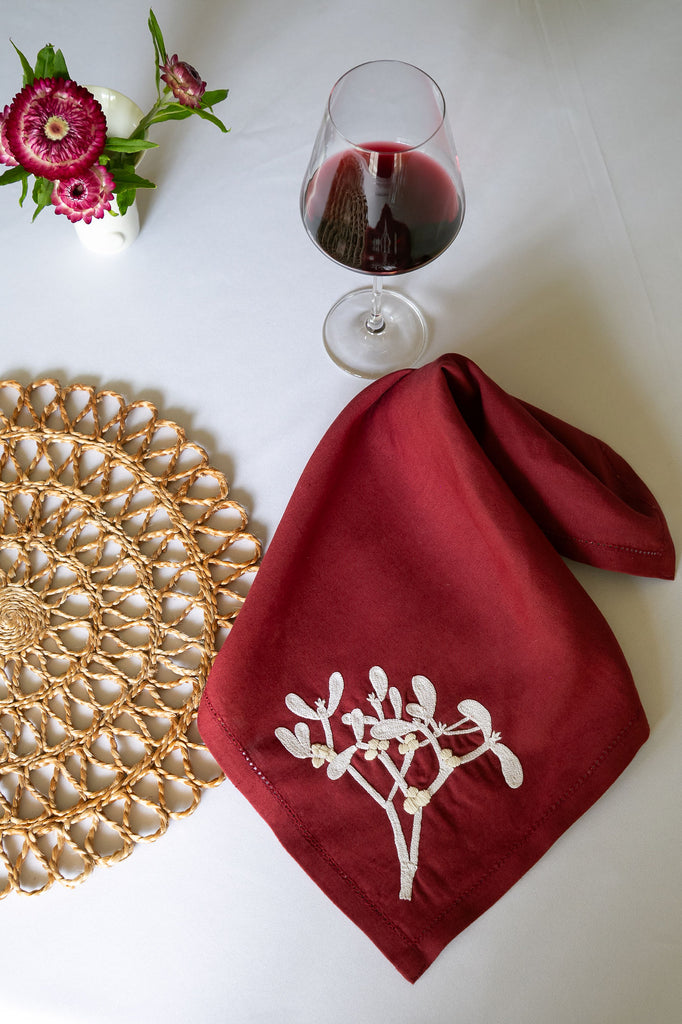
<point>382,195</point>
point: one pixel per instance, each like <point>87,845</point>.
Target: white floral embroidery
<point>374,748</point>
<point>409,743</point>
<point>421,731</point>
<point>415,799</point>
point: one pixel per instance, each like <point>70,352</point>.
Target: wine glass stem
<point>375,323</point>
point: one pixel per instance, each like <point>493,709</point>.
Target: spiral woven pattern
<point>123,562</point>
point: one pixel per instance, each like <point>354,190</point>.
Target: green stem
<point>149,117</point>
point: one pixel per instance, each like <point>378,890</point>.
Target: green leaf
<point>211,97</point>
<point>29,77</point>
<point>42,194</point>
<point>157,34</point>
<point>211,117</point>
<point>43,189</point>
<point>178,112</point>
<point>16,174</point>
<point>159,46</point>
<point>128,179</point>
<point>168,114</point>
<point>51,64</point>
<point>12,175</point>
<point>60,69</point>
<point>173,106</point>
<point>44,59</point>
<point>125,199</point>
<point>117,145</point>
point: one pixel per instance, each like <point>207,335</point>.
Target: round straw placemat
<point>123,562</point>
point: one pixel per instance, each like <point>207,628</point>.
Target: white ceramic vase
<point>109,234</point>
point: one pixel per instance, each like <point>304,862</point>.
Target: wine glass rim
<point>406,64</point>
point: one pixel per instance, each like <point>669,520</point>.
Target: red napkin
<point>418,696</point>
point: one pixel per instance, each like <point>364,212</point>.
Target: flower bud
<point>184,81</point>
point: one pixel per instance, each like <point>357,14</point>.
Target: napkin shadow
<point>551,343</point>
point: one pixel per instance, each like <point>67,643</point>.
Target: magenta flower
<point>55,128</point>
<point>86,195</point>
<point>183,80</point>
<point>5,152</point>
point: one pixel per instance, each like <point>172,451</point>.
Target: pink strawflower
<point>86,195</point>
<point>55,128</point>
<point>183,80</point>
<point>5,153</point>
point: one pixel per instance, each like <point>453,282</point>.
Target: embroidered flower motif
<point>5,152</point>
<point>409,743</point>
<point>394,723</point>
<point>321,754</point>
<point>183,80</point>
<point>85,196</point>
<point>55,128</point>
<point>416,799</point>
<point>374,748</point>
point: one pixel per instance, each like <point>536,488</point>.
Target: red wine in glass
<point>382,208</point>
<point>382,195</point>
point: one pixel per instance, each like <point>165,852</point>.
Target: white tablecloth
<point>564,285</point>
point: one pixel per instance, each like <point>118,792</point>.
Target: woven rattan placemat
<point>123,562</point>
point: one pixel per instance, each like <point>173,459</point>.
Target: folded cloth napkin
<point>418,696</point>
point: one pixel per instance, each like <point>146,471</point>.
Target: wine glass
<point>383,195</point>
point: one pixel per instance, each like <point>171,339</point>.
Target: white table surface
<point>565,285</point>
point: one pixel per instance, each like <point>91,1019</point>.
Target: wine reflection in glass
<point>382,195</point>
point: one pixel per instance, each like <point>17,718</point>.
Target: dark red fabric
<point>424,538</point>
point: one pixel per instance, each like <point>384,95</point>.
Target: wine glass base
<point>370,354</point>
